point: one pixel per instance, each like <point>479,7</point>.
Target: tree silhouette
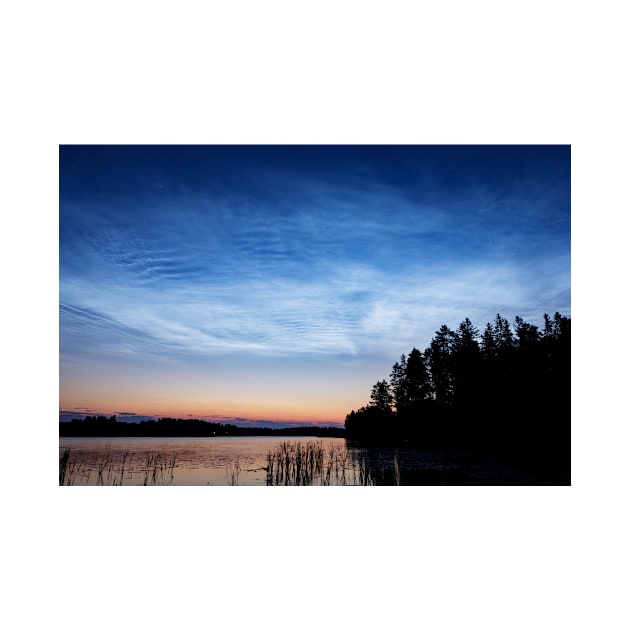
<point>398,383</point>
<point>466,363</point>
<point>381,398</point>
<point>440,358</point>
<point>410,383</point>
<point>505,389</point>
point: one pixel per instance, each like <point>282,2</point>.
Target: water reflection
<point>223,461</point>
<point>286,461</point>
<point>170,461</point>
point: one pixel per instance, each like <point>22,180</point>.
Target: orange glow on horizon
<point>308,396</point>
<point>205,411</point>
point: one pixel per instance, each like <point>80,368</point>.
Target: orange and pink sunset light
<point>276,284</point>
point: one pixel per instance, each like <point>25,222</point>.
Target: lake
<point>215,461</point>
<point>268,460</point>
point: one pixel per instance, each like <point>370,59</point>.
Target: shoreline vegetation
<point>104,426</point>
<point>151,468</point>
<point>303,463</point>
<point>506,391</point>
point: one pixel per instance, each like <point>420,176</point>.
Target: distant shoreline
<point>102,426</point>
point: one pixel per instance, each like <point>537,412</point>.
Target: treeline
<point>507,387</point>
<point>103,426</point>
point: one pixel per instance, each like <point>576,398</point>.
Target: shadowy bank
<point>109,426</point>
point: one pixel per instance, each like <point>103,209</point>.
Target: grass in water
<point>310,464</point>
<point>233,472</point>
<point>147,469</point>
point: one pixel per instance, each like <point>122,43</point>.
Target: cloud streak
<point>340,260</point>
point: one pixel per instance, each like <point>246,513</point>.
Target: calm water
<point>217,461</point>
<point>259,461</point>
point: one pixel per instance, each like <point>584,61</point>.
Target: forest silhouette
<point>507,388</point>
<point>109,426</point>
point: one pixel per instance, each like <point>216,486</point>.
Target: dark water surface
<point>252,461</point>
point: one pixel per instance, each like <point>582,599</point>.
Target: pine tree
<point>439,355</point>
<point>381,398</point>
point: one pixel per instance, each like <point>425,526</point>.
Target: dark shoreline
<point>101,426</point>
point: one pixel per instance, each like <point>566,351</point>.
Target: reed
<point>233,472</point>
<point>153,468</point>
<point>72,470</point>
<point>158,469</point>
<point>63,467</point>
<point>308,464</point>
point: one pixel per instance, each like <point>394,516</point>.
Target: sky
<point>279,283</point>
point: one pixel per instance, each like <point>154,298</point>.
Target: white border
<point>287,72</point>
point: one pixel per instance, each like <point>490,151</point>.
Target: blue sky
<point>281,282</point>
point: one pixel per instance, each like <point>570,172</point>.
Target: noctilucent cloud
<point>248,283</point>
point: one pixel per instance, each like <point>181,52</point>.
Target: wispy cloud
<point>347,262</point>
